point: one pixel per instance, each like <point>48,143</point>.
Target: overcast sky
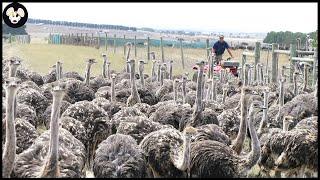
<point>230,17</point>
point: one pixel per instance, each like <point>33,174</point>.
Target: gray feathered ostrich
<point>214,159</point>
<point>119,156</point>
<point>55,153</point>
<point>167,151</point>
<point>134,97</point>
<point>9,152</point>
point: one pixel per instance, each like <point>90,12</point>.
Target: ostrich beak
<point>263,107</point>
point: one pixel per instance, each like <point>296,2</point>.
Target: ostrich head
<point>141,65</point>
<point>12,83</point>
<point>129,44</point>
<point>13,66</point>
<point>113,75</point>
<point>256,105</point>
<point>287,120</point>
<point>91,61</point>
<point>189,131</point>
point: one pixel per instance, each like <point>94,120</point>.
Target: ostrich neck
<point>159,73</point>
<point>13,70</point>
<point>57,71</point>
<point>9,153</point>
<point>113,95</point>
<point>295,88</point>
<point>108,71</point>
<point>214,91</point>
<point>141,78</point>
<point>305,78</point>
<point>237,146</point>
<point>104,69</point>
<point>254,154</point>
<point>263,122</point>
<point>184,91</point>
<point>51,165</point>
<point>161,78</point>
<point>87,75</point>
<point>198,107</point>
<point>246,76</point>
<point>152,71</point>
<point>182,160</point>
<point>281,94</point>
<point>170,72</point>
<point>224,96</point>
<point>134,91</point>
<point>285,125</point>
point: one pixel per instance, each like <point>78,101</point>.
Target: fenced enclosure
<point>20,39</point>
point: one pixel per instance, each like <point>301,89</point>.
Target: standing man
<point>219,48</point>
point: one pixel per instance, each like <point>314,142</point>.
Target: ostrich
<point>198,107</point>
<point>184,92</point>
<point>306,78</point>
<point>119,156</point>
<point>9,152</point>
<point>129,45</point>
<point>134,97</point>
<point>105,67</point>
<point>168,151</point>
<point>55,153</point>
<point>141,68</point>
<point>88,114</point>
<point>281,96</point>
<point>214,159</point>
<point>88,68</point>
<point>113,93</point>
<point>166,86</point>
<point>153,73</point>
<point>295,86</point>
<point>170,69</point>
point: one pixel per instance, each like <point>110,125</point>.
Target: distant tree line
<point>13,31</point>
<point>78,24</point>
<point>284,39</point>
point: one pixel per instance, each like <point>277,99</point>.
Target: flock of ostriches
<point>138,124</point>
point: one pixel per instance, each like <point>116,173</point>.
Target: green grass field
<point>40,57</point>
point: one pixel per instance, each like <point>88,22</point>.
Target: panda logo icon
<point>15,15</point>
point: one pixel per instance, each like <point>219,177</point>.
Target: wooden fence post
<point>293,53</point>
<point>106,42</point>
<point>114,43</point>
<point>161,47</point>
<point>207,47</point>
<point>148,48</point>
<point>315,66</point>
<point>124,45</point>
<point>181,50</point>
<point>135,46</point>
<point>274,67</point>
<point>256,58</point>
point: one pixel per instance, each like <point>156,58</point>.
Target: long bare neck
<point>214,90</point>
<point>104,74</point>
<point>87,75</point>
<point>305,83</point>
<point>58,71</point>
<point>152,71</point>
<point>237,146</point>
<point>224,95</point>
<point>184,91</point>
<point>113,93</point>
<point>170,71</point>
<point>141,77</point>
<point>281,94</point>
<point>108,70</point>
<point>285,125</point>
<point>295,88</point>
<point>263,122</point>
<point>246,72</point>
<point>175,92</point>
<point>159,73</point>
<point>198,105</point>
<point>51,166</point>
<point>13,70</point>
<point>254,154</point>
<point>161,77</point>
<point>134,91</point>
<point>9,153</point>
